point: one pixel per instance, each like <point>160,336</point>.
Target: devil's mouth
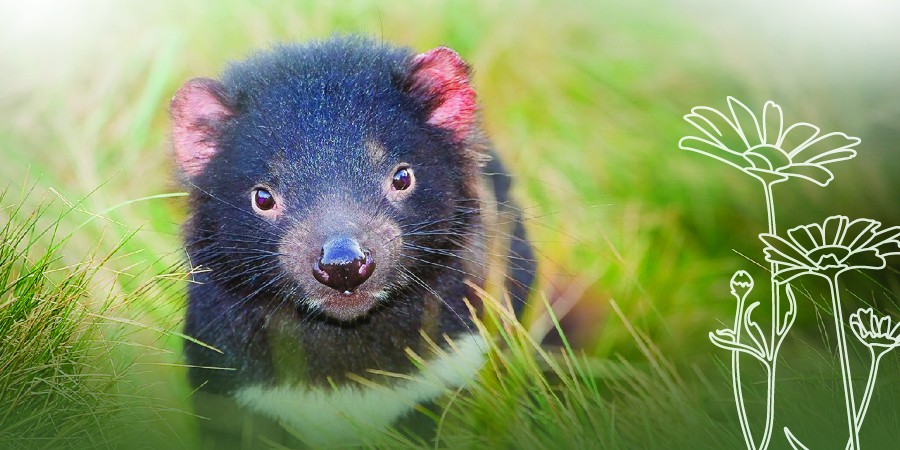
<point>347,305</point>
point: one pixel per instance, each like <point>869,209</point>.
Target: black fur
<point>303,116</point>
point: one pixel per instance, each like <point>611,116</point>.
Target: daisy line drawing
<point>762,147</point>
<point>832,248</point>
<point>772,152</point>
<point>828,250</point>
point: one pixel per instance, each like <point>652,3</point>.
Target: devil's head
<point>332,174</point>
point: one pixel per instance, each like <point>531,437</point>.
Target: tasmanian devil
<point>343,203</point>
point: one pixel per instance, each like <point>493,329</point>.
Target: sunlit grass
<point>79,361</point>
<point>530,396</point>
<point>56,385</point>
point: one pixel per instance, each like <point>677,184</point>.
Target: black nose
<point>343,265</point>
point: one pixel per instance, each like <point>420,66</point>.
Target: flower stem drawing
<point>741,285</point>
<point>776,299</point>
<point>763,148</point>
<point>852,420</point>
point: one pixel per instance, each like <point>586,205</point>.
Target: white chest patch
<point>344,415</point>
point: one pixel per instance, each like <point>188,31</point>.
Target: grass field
<point>584,100</point>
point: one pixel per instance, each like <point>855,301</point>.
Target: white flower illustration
<point>835,246</point>
<point>763,147</point>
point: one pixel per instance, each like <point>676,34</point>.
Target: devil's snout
<point>343,265</point>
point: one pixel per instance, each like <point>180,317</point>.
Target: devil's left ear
<point>439,79</point>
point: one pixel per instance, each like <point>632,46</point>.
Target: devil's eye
<point>263,199</point>
<point>402,180</point>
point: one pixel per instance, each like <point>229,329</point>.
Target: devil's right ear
<point>199,110</point>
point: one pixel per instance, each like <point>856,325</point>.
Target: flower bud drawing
<point>741,284</point>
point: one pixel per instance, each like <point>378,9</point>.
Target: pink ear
<point>198,111</point>
<point>440,78</point>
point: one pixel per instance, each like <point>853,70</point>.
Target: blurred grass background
<point>582,99</point>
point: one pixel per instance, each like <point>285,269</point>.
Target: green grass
<point>81,365</point>
<point>530,396</point>
<point>583,100</point>
<point>48,334</point>
<point>60,384</point>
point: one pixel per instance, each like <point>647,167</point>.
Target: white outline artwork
<point>770,153</point>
